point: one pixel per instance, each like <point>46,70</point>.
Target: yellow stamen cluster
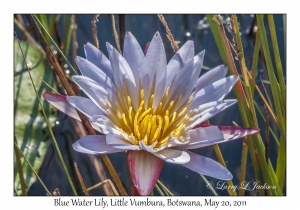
<point>152,126</point>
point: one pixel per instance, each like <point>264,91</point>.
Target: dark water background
<point>180,180</point>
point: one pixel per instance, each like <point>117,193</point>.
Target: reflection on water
<point>179,180</point>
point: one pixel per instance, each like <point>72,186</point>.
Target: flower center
<point>152,126</point>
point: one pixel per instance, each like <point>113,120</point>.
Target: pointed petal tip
<point>231,129</point>
<point>254,131</point>
<point>235,77</point>
<point>191,42</point>
<point>227,176</point>
<point>207,167</point>
<point>108,45</point>
<point>157,36</point>
<point>45,94</point>
<point>88,44</point>
<point>78,59</point>
<point>76,77</point>
<point>48,96</point>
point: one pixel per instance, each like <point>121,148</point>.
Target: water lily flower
<point>152,109</point>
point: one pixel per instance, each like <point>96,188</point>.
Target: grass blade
<point>70,92</point>
<point>37,176</point>
<point>277,58</point>
<point>159,190</point>
<point>231,189</point>
<point>69,21</point>
<point>209,185</point>
<point>165,188</point>
<point>49,126</point>
<point>281,163</point>
<point>20,168</point>
<point>261,114</point>
<point>248,119</point>
<point>43,19</point>
<point>243,163</point>
<point>28,36</point>
<point>217,36</point>
<point>53,42</point>
<point>81,180</point>
<point>274,84</point>
<point>242,63</point>
<point>255,61</point>
<point>48,85</point>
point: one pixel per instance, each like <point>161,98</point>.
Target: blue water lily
<point>152,109</point>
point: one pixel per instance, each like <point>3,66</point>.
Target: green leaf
<point>217,36</point>
<point>29,122</point>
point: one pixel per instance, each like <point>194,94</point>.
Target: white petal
<point>180,59</point>
<point>123,74</point>
<point>94,144</point>
<point>85,105</point>
<point>181,81</point>
<point>209,110</point>
<point>202,136</point>
<point>92,89</point>
<point>211,76</point>
<point>118,142</point>
<point>119,66</point>
<point>207,166</point>
<point>145,169</point>
<point>90,70</point>
<point>155,64</point>
<point>150,148</point>
<point>60,102</point>
<point>206,135</point>
<point>197,65</point>
<point>215,91</point>
<point>95,56</point>
<point>174,142</point>
<point>105,123</point>
<point>134,56</point>
<point>173,156</point>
